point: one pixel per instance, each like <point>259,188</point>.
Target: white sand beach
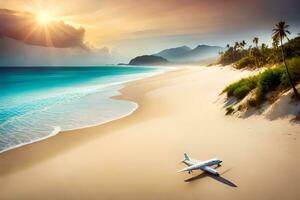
<point>137,157</point>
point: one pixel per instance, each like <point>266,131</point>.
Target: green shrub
<point>241,88</point>
<point>232,55</point>
<point>247,61</point>
<point>284,81</point>
<point>242,91</point>
<point>229,110</point>
<point>292,48</point>
<point>269,80</point>
<point>240,107</point>
<point>294,68</point>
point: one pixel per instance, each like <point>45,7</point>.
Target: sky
<point>117,30</point>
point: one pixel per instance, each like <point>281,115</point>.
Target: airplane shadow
<point>217,178</point>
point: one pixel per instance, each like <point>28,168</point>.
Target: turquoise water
<point>38,102</point>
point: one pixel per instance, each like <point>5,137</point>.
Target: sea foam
<point>36,112</point>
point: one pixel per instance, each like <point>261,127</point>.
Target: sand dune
<point>137,157</point>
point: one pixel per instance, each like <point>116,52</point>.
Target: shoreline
<point>57,129</point>
<point>136,157</point>
<point>124,95</point>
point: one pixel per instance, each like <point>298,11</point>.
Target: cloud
<point>24,27</point>
<point>17,53</point>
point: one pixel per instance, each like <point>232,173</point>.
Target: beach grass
<point>272,79</point>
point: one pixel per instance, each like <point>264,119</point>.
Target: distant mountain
<point>148,60</point>
<point>174,53</point>
<point>186,54</point>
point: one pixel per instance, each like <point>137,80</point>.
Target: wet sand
<point>137,157</point>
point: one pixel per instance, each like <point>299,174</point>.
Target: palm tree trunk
<point>288,73</point>
<point>256,63</point>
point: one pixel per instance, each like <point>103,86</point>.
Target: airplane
<point>202,165</point>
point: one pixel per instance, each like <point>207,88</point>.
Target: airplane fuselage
<point>194,165</point>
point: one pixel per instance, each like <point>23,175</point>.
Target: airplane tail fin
<point>186,157</point>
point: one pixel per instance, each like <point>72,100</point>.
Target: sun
<point>44,18</point>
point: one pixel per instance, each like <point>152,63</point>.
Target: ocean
<point>39,102</point>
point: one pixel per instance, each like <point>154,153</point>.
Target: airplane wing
<point>210,170</point>
<point>184,169</point>
<point>204,168</point>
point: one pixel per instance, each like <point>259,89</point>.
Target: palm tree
<point>255,41</point>
<point>275,51</point>
<point>236,45</point>
<point>249,49</point>
<point>242,44</point>
<point>279,33</point>
<point>275,44</point>
<point>256,55</point>
<point>264,47</point>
